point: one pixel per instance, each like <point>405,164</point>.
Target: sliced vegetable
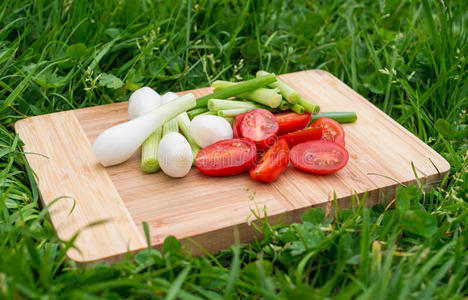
<point>319,157</point>
<point>272,164</point>
<point>301,136</point>
<point>284,105</point>
<point>260,126</point>
<point>195,112</point>
<point>149,152</point>
<point>340,117</point>
<point>218,104</point>
<point>309,106</point>
<point>175,155</point>
<point>290,94</point>
<point>290,121</point>
<point>297,108</point>
<point>118,143</point>
<point>168,97</point>
<point>331,130</point>
<point>184,124</point>
<point>226,157</point>
<point>236,127</point>
<point>143,101</point>
<point>265,96</point>
<point>238,89</point>
<point>170,126</point>
<point>231,112</point>
<point>208,129</point>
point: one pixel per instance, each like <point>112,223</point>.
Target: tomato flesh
<point>260,126</point>
<point>272,164</point>
<point>331,130</point>
<point>226,157</point>
<point>301,136</point>
<point>319,157</point>
<point>290,121</point>
<point>236,133</point>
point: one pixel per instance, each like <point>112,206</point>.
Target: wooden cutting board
<point>200,208</point>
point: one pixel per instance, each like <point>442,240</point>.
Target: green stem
<point>231,112</point>
<point>195,112</point>
<point>237,89</point>
<point>290,94</point>
<point>218,104</point>
<point>184,124</point>
<point>285,105</point>
<point>149,152</point>
<point>309,106</point>
<point>297,108</point>
<point>341,117</point>
<point>265,96</point>
<point>170,126</point>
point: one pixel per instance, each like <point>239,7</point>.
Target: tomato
<point>236,133</point>
<point>301,136</point>
<point>319,157</point>
<point>226,157</point>
<point>331,130</point>
<point>290,121</point>
<point>273,163</point>
<point>260,126</point>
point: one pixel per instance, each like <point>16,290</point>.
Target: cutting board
<point>108,205</point>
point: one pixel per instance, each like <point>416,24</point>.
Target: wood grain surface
<point>201,208</point>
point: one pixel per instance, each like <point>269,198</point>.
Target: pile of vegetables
<point>256,126</point>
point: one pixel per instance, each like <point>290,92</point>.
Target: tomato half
<point>226,157</point>
<point>301,136</point>
<point>331,130</point>
<point>236,133</point>
<point>260,126</point>
<point>290,121</point>
<point>273,163</point>
<point>319,157</point>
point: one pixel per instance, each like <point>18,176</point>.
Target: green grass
<point>407,57</point>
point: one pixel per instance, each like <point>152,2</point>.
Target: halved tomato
<point>236,133</point>
<point>260,126</point>
<point>331,130</point>
<point>301,136</point>
<point>290,121</point>
<point>273,163</point>
<point>319,157</point>
<point>226,157</point>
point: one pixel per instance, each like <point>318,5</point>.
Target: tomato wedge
<point>319,157</point>
<point>290,121</point>
<point>226,157</point>
<point>301,136</point>
<point>273,163</point>
<point>331,130</point>
<point>236,133</point>
<point>260,126</point>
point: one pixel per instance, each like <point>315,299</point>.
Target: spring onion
<point>265,96</point>
<point>237,89</point>
<point>309,106</point>
<point>118,143</point>
<point>184,124</point>
<point>228,113</point>
<point>290,94</point>
<point>195,112</point>
<point>208,129</point>
<point>284,105</point>
<point>340,117</point>
<point>297,108</point>
<point>149,152</point>
<point>218,104</point>
<point>142,101</point>
<point>174,154</point>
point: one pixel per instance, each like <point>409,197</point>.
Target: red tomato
<point>319,157</point>
<point>301,136</point>
<point>331,130</point>
<point>272,164</point>
<point>236,133</point>
<point>260,126</point>
<point>226,157</point>
<point>290,121</point>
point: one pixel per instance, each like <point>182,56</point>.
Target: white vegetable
<point>208,129</point>
<point>175,155</point>
<point>117,144</point>
<point>168,97</point>
<point>143,101</point>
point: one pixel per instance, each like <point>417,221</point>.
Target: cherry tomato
<point>260,126</point>
<point>236,133</point>
<point>301,136</point>
<point>290,121</point>
<point>226,157</point>
<point>319,157</point>
<point>331,130</point>
<point>272,164</point>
